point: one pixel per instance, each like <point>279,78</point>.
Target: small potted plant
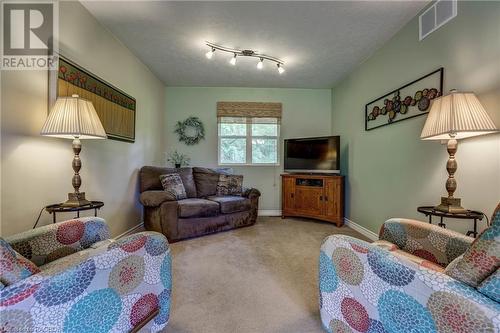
<point>178,159</point>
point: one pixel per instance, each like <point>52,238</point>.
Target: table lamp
<point>74,118</point>
<point>455,116</point>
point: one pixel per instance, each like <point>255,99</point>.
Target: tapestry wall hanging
<point>409,101</point>
<point>115,108</point>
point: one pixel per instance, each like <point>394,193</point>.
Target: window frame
<point>248,137</point>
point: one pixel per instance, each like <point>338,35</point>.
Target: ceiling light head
<point>281,69</point>
<point>210,53</point>
<point>233,60</point>
<point>260,64</point>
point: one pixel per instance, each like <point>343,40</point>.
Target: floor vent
<point>437,15</point>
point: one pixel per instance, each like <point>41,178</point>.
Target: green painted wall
<point>306,112</point>
<point>390,171</point>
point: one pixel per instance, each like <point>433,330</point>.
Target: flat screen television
<point>312,155</point>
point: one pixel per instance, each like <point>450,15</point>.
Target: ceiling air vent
<point>436,16</point>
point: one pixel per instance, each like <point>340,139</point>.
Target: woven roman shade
<point>249,109</point>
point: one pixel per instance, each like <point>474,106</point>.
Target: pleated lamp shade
<point>457,115</point>
<point>73,117</point>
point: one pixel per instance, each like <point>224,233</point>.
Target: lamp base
<point>450,205</point>
<point>76,200</point>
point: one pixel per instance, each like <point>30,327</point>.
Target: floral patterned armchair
<point>69,277</point>
<point>416,278</point>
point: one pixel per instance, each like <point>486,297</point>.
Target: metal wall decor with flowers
<point>190,131</point>
<point>393,107</point>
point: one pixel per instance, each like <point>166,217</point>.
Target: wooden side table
<point>59,208</point>
<point>430,211</point>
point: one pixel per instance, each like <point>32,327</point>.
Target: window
<point>245,140</point>
<point>248,133</point>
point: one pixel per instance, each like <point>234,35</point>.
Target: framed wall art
<point>116,109</point>
<point>409,101</point>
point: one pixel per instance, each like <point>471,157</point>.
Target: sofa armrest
<point>425,240</point>
<point>368,288</point>
<point>250,193</point>
<point>112,288</point>
<point>155,198</point>
<point>45,244</point>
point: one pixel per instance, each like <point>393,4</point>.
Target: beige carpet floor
<point>261,278</point>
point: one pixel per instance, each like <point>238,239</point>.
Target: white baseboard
<point>269,212</point>
<point>362,230</point>
<point>130,231</point>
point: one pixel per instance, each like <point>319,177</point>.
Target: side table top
<point>60,208</point>
<point>469,214</point>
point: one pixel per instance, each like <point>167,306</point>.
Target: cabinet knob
<point>291,194</point>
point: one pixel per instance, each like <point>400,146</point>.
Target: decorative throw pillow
<point>13,266</point>
<point>229,185</point>
<point>491,286</point>
<point>482,258</point>
<point>172,184</point>
<point>187,180</point>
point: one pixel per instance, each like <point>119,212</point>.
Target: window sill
<point>249,165</point>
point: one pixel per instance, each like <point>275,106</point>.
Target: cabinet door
<point>308,200</point>
<point>332,197</point>
<point>288,194</point>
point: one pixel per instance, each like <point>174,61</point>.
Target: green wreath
<point>192,124</point>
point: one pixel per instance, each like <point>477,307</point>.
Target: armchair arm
<point>365,288</point>
<point>155,198</point>
<point>250,193</point>
<point>111,288</point>
<point>425,240</point>
<point>45,244</point>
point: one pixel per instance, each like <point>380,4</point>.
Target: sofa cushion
<point>232,204</point>
<point>206,181</point>
<point>491,286</point>
<point>149,179</point>
<point>194,207</point>
<point>13,266</point>
<point>482,258</point>
<point>229,185</point>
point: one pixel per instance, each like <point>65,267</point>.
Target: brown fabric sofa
<point>202,212</point>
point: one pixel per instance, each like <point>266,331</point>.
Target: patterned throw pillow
<point>172,184</point>
<point>13,266</point>
<point>229,185</point>
<point>482,258</point>
<point>491,286</point>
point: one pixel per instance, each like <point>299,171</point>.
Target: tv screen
<point>313,155</point>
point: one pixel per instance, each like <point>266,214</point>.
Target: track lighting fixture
<point>281,70</point>
<point>260,64</point>
<point>210,53</point>
<point>245,53</point>
<point>233,60</point>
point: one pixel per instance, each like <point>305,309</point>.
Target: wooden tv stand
<point>315,196</point>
